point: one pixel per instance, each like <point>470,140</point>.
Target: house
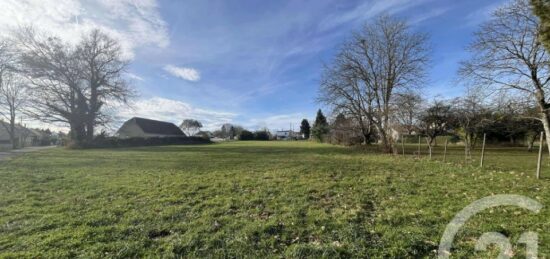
<point>23,136</point>
<point>146,128</point>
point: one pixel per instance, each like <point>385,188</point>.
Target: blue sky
<point>253,63</point>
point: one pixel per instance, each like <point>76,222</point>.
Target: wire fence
<point>516,158</point>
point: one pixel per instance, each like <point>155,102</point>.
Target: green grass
<point>254,199</point>
<point>516,159</point>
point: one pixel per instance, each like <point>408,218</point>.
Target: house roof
<point>157,127</point>
<point>19,130</point>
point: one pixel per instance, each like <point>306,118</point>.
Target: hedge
<point>114,142</point>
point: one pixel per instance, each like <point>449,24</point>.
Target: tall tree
<point>56,87</point>
<point>508,56</point>
<point>73,84</point>
<point>320,127</point>
<point>542,9</point>
<point>384,58</point>
<point>342,90</point>
<point>190,126</point>
<point>102,70</point>
<point>13,97</point>
<point>12,90</point>
<point>305,128</point>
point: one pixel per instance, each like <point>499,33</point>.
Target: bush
<point>261,135</point>
<point>114,142</point>
<point>246,135</point>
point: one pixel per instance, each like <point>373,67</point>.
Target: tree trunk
<point>78,133</point>
<point>386,144</point>
<point>89,131</point>
<point>546,125</point>
<point>12,133</point>
<point>430,141</point>
<point>531,141</point>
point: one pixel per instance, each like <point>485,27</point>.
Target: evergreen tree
<point>541,8</point>
<point>320,127</point>
<point>305,129</point>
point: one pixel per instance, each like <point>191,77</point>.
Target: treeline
<point>464,119</point>
<point>374,84</point>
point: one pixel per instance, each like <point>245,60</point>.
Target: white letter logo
<point>528,238</point>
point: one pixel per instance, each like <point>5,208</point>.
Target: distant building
<point>287,135</point>
<point>24,137</point>
<point>146,128</point>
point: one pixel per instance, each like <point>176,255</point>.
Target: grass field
<point>257,199</point>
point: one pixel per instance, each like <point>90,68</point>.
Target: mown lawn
<point>253,199</point>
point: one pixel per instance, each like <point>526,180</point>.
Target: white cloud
<point>185,73</point>
<point>164,109</point>
<point>134,23</point>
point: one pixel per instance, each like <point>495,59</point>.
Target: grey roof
<point>156,127</point>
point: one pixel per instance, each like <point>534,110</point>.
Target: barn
<point>146,128</point>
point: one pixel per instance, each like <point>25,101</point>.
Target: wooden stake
<point>418,154</point>
<point>445,151</point>
<point>429,147</point>
<point>539,160</point>
<point>482,150</point>
<point>403,144</point>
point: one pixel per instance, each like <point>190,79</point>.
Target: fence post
<point>482,150</point>
<point>403,144</point>
<point>429,147</point>
<point>539,160</point>
<point>418,153</point>
<point>445,151</point>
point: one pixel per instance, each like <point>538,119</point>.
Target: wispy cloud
<point>134,77</point>
<point>134,23</point>
<point>429,15</point>
<point>189,74</point>
<point>367,10</point>
<point>483,14</point>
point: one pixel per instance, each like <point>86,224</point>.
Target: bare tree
<point>56,88</point>
<point>73,84</point>
<point>7,58</point>
<point>408,106</point>
<point>12,100</point>
<point>471,116</point>
<point>190,126</point>
<point>384,58</point>
<point>341,90</point>
<point>102,69</point>
<point>12,89</point>
<point>509,57</point>
<point>436,120</point>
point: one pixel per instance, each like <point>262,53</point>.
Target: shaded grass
<point>251,199</point>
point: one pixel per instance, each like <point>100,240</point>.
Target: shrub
<point>261,135</point>
<point>246,135</point>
